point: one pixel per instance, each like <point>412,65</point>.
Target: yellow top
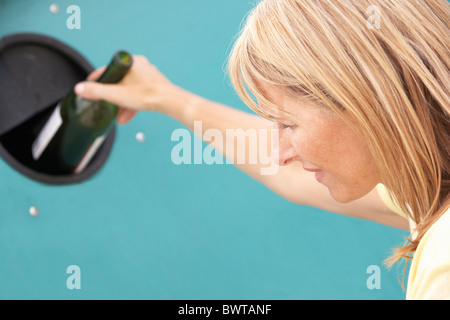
<point>429,275</point>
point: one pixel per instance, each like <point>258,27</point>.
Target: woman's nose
<point>286,156</point>
<point>283,151</point>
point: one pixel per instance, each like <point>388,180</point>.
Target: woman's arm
<point>145,88</point>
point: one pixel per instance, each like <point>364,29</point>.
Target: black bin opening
<point>36,71</point>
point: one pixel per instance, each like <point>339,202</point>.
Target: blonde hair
<point>391,82</point>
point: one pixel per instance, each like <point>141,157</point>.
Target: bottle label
<point>47,133</point>
<point>90,154</point>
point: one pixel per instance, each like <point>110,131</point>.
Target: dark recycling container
<point>36,71</point>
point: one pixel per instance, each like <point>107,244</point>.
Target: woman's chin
<point>342,198</point>
<point>345,195</point>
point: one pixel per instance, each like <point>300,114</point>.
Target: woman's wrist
<point>180,104</point>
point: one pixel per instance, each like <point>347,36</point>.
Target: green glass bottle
<point>77,127</point>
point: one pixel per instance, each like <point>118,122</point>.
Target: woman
<point>359,91</point>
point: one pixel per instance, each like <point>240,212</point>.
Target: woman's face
<point>325,145</point>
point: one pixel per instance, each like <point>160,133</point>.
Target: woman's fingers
<point>143,88</point>
<point>94,75</point>
<point>90,90</point>
<point>125,115</point>
<point>95,91</point>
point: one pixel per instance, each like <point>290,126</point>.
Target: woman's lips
<point>319,174</point>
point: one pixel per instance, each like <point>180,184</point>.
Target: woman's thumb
<point>91,90</point>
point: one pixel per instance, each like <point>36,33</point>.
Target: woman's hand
<point>143,88</point>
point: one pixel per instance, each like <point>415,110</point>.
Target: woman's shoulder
<point>391,204</point>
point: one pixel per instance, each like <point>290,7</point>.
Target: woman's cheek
<point>312,147</point>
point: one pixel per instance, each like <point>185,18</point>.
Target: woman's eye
<point>285,126</point>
